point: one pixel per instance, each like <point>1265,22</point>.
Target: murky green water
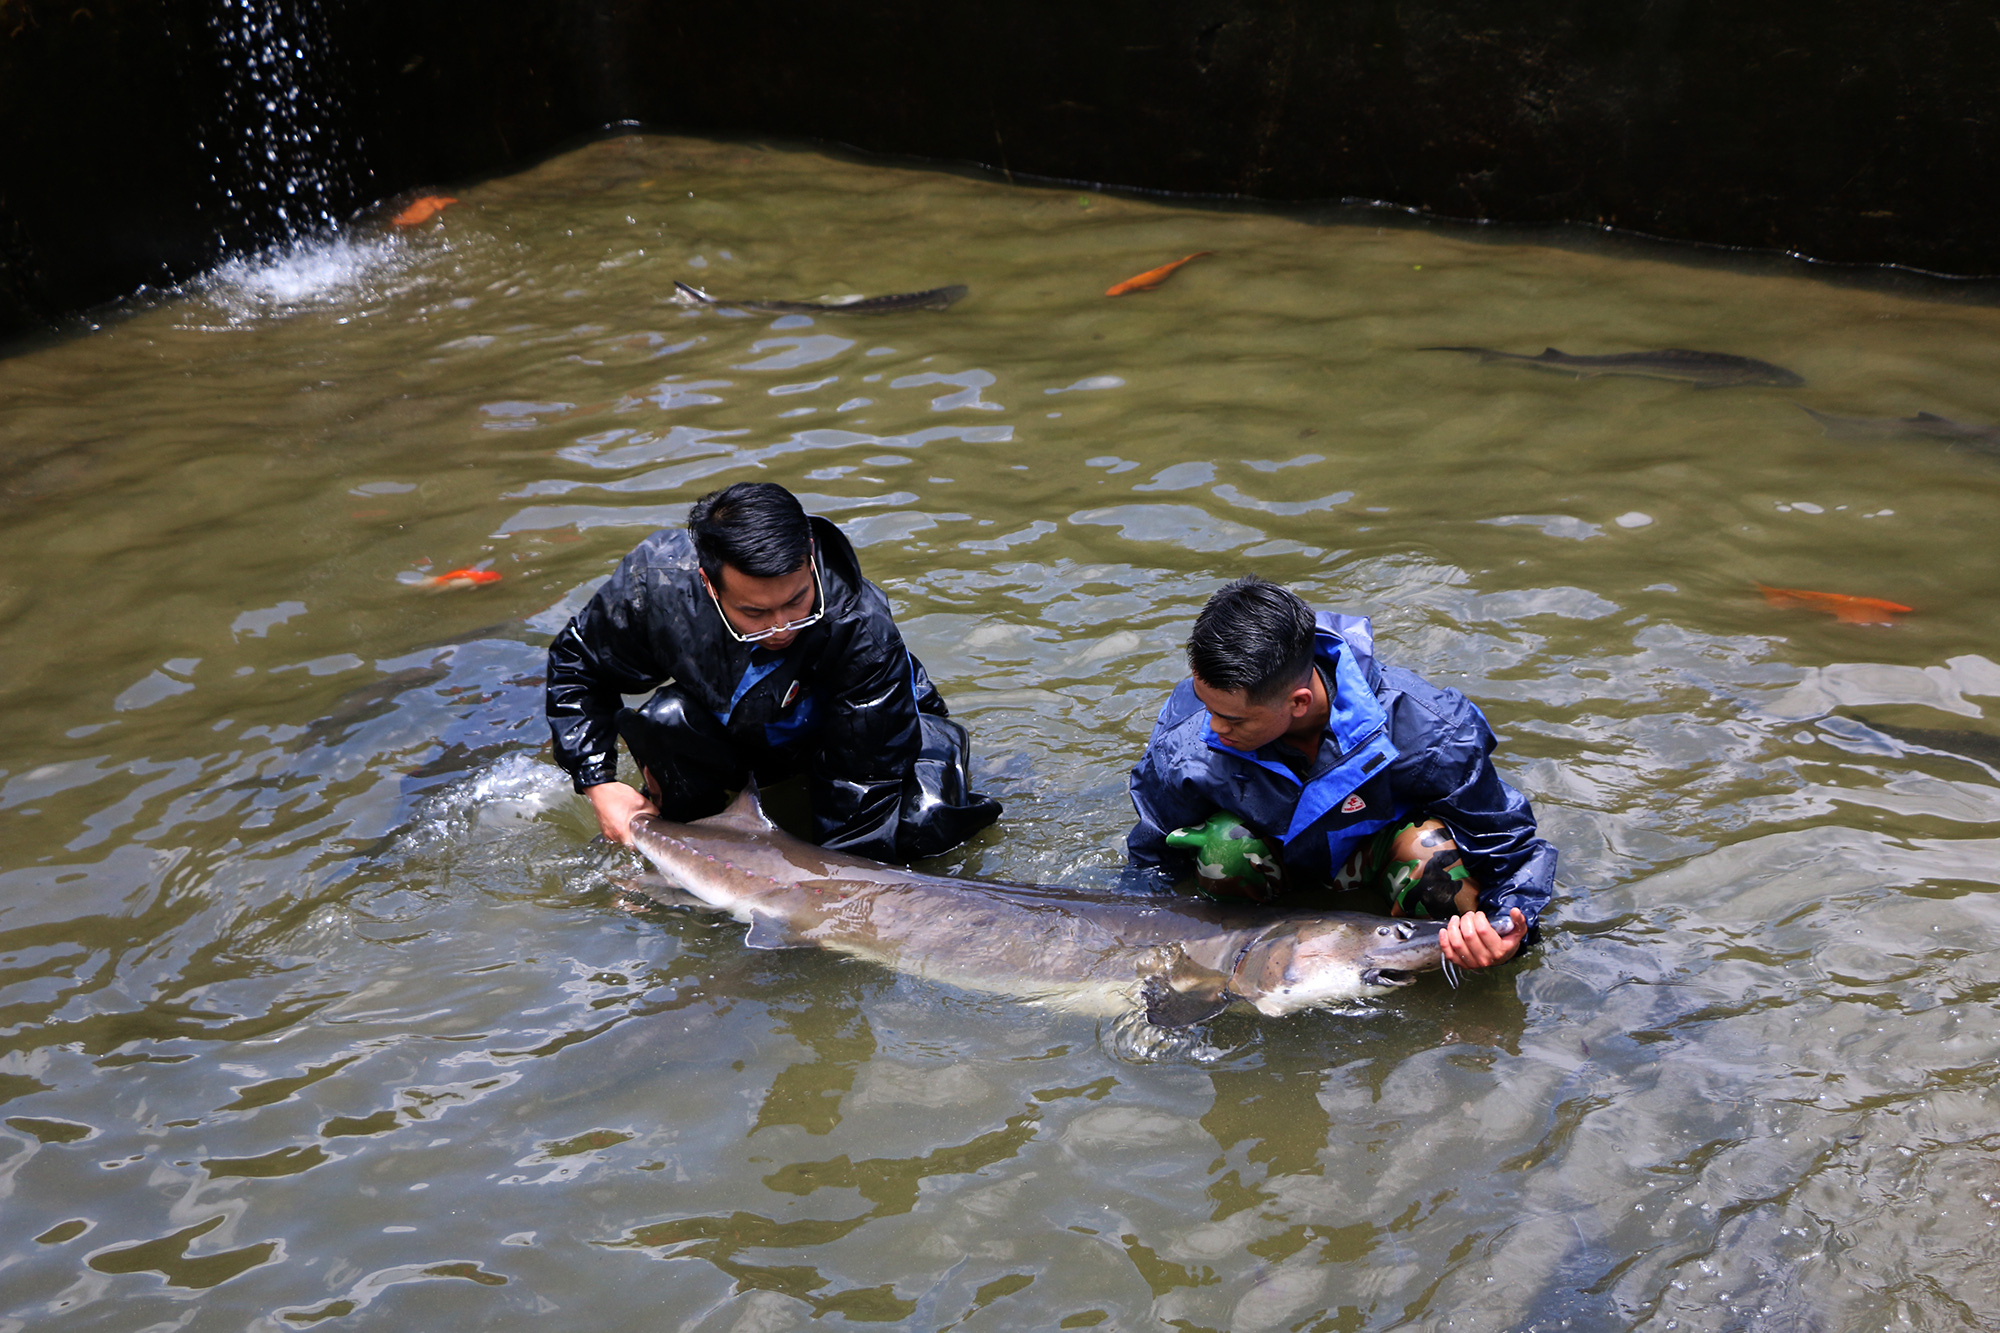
<point>318,1006</point>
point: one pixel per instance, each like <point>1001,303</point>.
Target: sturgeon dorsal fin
<point>746,812</point>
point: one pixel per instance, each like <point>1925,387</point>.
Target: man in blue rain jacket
<point>1290,723</point>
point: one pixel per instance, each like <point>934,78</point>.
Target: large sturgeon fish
<point>1182,960</point>
<point>1986,438</point>
<point>936,298</point>
<point>1704,370</point>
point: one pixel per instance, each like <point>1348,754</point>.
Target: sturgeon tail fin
<point>1491,353</point>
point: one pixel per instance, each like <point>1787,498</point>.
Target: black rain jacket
<point>844,696</point>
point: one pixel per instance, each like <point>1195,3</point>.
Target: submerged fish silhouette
<point>1152,277</point>
<point>371,701</point>
<point>1978,746</point>
<point>1177,960</point>
<point>1986,438</point>
<point>937,298</point>
<point>1841,606</point>
<point>1704,370</point>
<point>422,210</point>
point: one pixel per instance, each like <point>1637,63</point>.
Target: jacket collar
<point>840,565</point>
<point>1354,714</point>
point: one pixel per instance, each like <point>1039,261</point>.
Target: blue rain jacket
<point>1396,746</point>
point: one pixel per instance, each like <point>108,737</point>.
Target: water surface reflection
<point>319,1009</point>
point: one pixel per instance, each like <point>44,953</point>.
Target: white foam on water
<point>314,273</point>
<point>518,783</point>
<point>496,802</point>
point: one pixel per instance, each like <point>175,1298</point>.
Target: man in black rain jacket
<point>766,653</point>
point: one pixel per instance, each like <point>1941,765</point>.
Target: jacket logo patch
<point>1353,803</point>
<point>792,692</point>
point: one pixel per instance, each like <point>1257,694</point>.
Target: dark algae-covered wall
<point>1851,132</point>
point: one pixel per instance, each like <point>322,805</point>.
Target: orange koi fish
<point>1153,277</point>
<point>422,210</point>
<point>1842,607</point>
<point>453,578</point>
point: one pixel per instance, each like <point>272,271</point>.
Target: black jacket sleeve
<point>603,653</point>
<point>868,744</point>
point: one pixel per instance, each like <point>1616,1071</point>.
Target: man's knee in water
<point>669,738</point>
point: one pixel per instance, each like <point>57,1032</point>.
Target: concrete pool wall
<point>1850,132</point>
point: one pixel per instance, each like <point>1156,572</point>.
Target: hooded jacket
<point>844,696</point>
<point>1396,747</point>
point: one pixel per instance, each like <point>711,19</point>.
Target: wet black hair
<point>1252,636</point>
<point>757,527</point>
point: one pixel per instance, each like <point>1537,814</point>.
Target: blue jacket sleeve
<point>1447,772</point>
<point>1165,799</point>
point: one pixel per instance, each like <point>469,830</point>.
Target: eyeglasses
<point>790,626</point>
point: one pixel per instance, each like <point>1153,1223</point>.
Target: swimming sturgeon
<point>1978,746</point>
<point>1182,960</point>
<point>1704,370</point>
<point>1985,438</point>
<point>937,298</point>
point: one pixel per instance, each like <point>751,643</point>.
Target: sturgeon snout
<point>1333,959</point>
<point>1403,948</point>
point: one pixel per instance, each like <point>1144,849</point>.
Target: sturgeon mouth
<point>1408,950</point>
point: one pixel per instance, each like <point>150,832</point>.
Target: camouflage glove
<point>1430,891</point>
<point>1229,860</point>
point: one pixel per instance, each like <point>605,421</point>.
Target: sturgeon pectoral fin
<point>1183,992</point>
<point>1170,1008</point>
<point>660,890</point>
<point>769,932</point>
